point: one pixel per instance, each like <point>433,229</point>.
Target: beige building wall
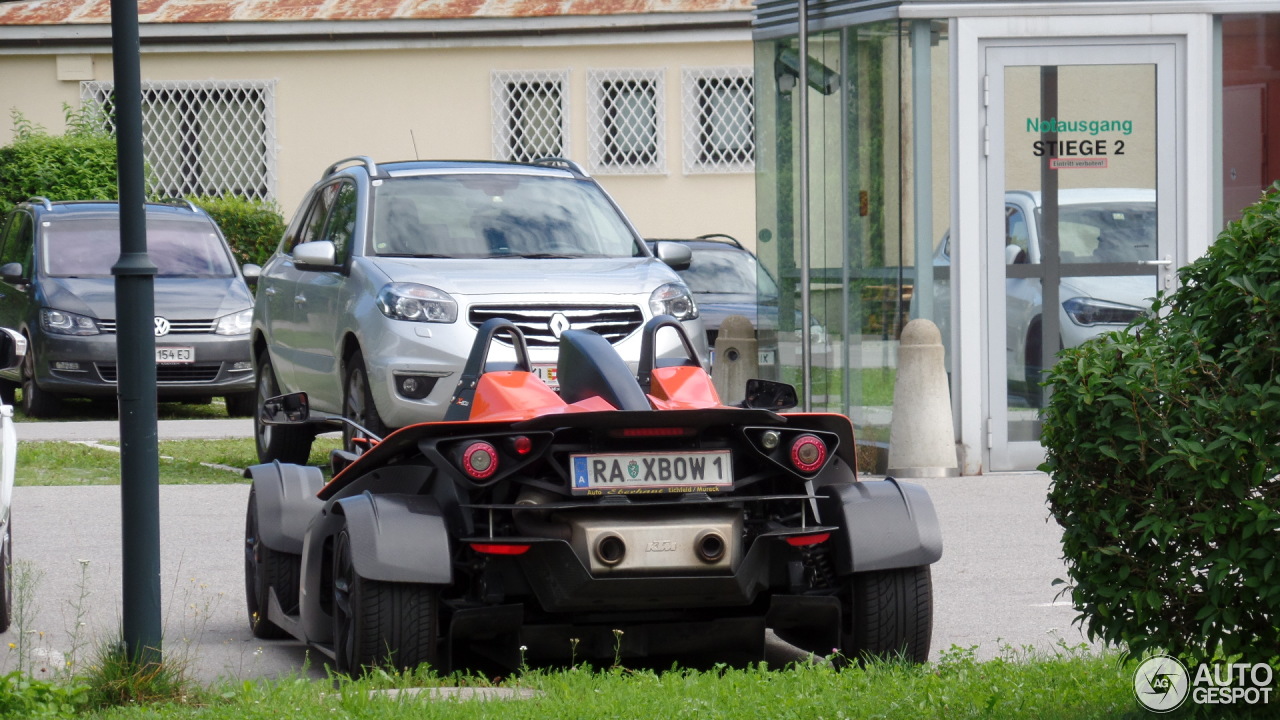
<point>398,103</point>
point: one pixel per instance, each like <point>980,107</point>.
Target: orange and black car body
<point>623,516</point>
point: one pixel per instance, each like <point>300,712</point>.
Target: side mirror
<point>316,255</point>
<point>769,395</point>
<point>13,348</point>
<point>676,255</point>
<point>12,273</point>
<point>1014,255</point>
<point>288,409</point>
<point>251,273</point>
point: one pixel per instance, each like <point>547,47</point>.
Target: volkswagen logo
<point>162,327</point>
<point>558,324</point>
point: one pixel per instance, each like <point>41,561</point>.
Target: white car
<point>13,348</point>
<point>1096,226</point>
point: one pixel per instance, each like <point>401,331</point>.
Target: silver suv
<point>371,302</point>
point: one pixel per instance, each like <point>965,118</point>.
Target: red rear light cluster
<point>480,460</point>
<point>807,540</point>
<point>521,444</point>
<point>808,453</point>
<point>500,548</point>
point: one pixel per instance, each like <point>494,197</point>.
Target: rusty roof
<point>59,12</point>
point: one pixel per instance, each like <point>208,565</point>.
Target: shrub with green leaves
<point>252,227</point>
<point>1164,448</point>
<point>78,165</point>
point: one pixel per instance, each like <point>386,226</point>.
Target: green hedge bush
<point>1164,448</point>
<point>253,228</point>
<point>79,165</point>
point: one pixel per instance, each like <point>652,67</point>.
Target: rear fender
<point>287,502</point>
<point>885,524</point>
<point>398,538</point>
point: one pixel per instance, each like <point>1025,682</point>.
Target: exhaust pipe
<point>709,546</point>
<point>610,549</point>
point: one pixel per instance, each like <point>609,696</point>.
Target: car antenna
<point>414,140</point>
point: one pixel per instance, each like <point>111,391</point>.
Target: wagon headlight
<point>673,299</point>
<point>235,323</point>
<point>1092,311</point>
<point>60,322</point>
<point>417,303</point>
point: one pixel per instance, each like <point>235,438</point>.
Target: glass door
<point>1080,209</point>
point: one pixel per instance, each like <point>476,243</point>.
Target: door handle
<point>270,290</point>
<point>299,299</point>
<point>1166,261</point>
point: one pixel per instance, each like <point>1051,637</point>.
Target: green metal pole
<point>135,356</point>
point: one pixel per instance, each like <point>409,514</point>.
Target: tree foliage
<point>1164,448</point>
<point>78,165</point>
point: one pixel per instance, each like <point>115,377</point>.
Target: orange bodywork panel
<point>682,388</point>
<point>514,395</point>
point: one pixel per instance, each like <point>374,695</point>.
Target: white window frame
<point>699,154</point>
<point>507,127</point>
<point>243,165</point>
<point>604,155</point>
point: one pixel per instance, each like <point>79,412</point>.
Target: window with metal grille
<point>719,120</point>
<point>530,115</point>
<point>203,138</point>
<point>625,109</point>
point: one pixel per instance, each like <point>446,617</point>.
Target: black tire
<point>8,391</point>
<point>36,403</point>
<point>6,578</point>
<point>1032,368</point>
<point>380,624</point>
<point>888,615</point>
<point>265,569</point>
<point>286,443</point>
<point>358,405</point>
<point>242,404</point>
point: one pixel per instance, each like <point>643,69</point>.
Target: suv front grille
<point>613,322</point>
<point>176,327</point>
<point>170,372</point>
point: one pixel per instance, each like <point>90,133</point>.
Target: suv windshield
<point>1106,232</point>
<point>89,247</point>
<point>497,215</point>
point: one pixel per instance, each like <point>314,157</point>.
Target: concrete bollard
<point>736,360</point>
<point>922,439</point>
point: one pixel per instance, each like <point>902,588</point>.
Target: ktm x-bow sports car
<point>626,516</point>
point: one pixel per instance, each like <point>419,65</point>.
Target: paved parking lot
<point>992,587</point>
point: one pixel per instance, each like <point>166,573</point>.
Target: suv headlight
<point>1092,311</point>
<point>235,323</point>
<point>673,299</point>
<point>417,303</point>
<point>60,322</point>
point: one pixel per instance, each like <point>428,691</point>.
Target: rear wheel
<point>380,624</point>
<point>357,405</point>
<point>265,569</point>
<point>36,403</point>
<point>286,443</point>
<point>888,614</point>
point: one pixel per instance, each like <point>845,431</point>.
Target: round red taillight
<point>480,460</point>
<point>808,453</point>
<point>522,445</point>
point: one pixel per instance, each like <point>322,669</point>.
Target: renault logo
<point>558,324</point>
<point>162,327</point>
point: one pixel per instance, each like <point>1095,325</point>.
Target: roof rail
<point>365,160</point>
<point>560,162</point>
<point>42,200</point>
<point>180,202</point>
<point>721,236</point>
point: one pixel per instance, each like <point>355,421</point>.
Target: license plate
<point>547,374</point>
<point>175,354</point>
<point>651,473</point>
